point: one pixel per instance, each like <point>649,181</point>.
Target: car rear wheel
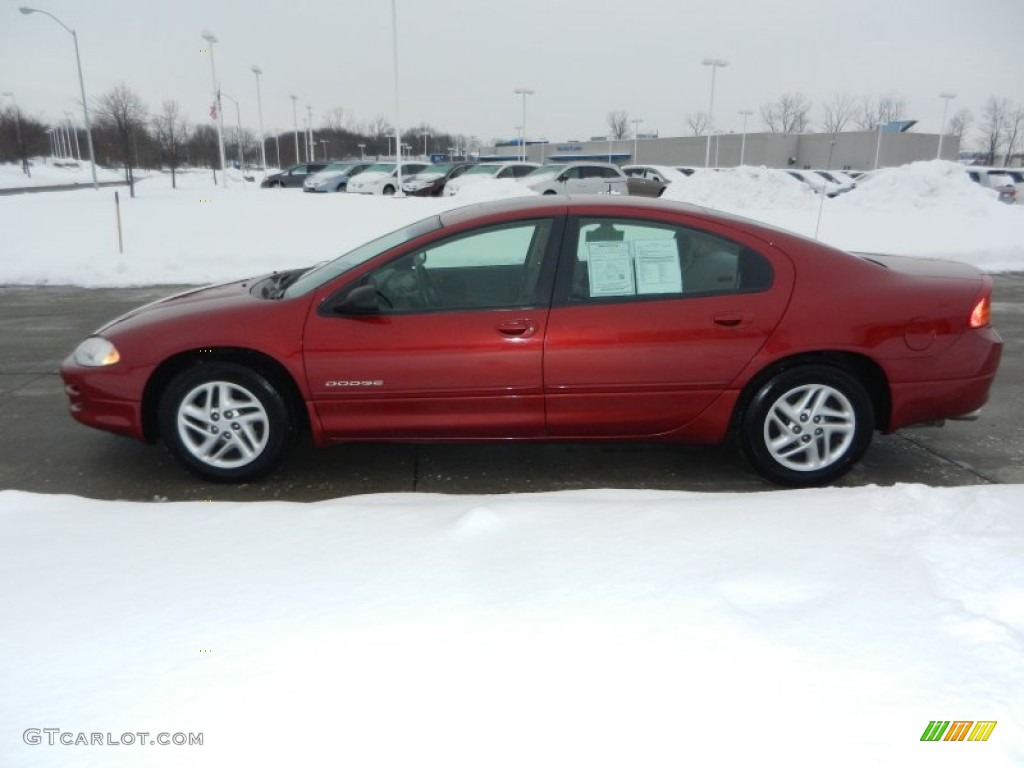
<point>225,422</point>
<point>807,426</point>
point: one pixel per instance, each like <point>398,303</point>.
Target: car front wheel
<point>807,426</point>
<point>388,190</point>
<point>225,422</point>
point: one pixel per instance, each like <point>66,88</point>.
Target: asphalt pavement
<point>44,450</point>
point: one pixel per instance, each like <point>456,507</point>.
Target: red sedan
<point>553,319</point>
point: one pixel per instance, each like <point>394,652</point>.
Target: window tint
<point>623,258</point>
<point>485,269</point>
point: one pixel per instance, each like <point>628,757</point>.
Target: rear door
<point>652,321</point>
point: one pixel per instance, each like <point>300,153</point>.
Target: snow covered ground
<point>53,173</point>
<point>200,233</point>
<point>586,628</point>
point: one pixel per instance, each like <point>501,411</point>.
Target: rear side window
<point>627,259</point>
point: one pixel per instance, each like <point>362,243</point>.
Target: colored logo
<point>958,730</point>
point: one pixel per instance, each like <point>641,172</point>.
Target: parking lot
<point>45,451</point>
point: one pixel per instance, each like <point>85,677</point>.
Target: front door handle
<point>520,329</point>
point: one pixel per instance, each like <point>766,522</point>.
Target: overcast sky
<point>460,60</point>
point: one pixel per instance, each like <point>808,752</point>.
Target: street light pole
<point>743,141</point>
<point>81,85</point>
<point>259,109</point>
<point>425,135</point>
<point>714,64</point>
<point>295,119</point>
<point>362,152</point>
<point>209,38</point>
<point>636,136</point>
<point>946,96</point>
<point>310,144</point>
<point>524,92</point>
<point>398,121</point>
<point>238,118</point>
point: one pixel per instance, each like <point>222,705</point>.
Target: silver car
<point>578,178</point>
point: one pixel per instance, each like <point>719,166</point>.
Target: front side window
<point>621,259</point>
<point>496,267</point>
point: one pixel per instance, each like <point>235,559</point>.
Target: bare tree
<point>960,123</point>
<point>124,112</point>
<point>171,134</point>
<point>787,114</point>
<point>698,123</point>
<point>837,113</point>
<point>1014,124</point>
<point>994,127</point>
<point>335,120</point>
<point>618,124</point>
<point>887,109</point>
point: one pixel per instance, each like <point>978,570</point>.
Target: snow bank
<point>741,189</point>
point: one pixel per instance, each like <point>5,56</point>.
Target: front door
<point>455,349</point>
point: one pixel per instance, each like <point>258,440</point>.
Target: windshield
<point>337,167</point>
<point>486,169</point>
<point>380,168</point>
<point>544,170</point>
<point>433,171</point>
<point>320,274</point>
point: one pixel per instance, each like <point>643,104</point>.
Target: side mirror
<point>362,300</point>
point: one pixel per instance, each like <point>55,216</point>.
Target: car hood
<point>212,296</point>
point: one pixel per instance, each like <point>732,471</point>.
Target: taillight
<point>982,313</point>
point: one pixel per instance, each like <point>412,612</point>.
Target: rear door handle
<point>730,319</point>
<point>518,328</point>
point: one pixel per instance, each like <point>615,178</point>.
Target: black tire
<point>388,190</point>
<point>550,192</point>
<point>807,426</point>
<point>209,400</point>
<point>340,187</point>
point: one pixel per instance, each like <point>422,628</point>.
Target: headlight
<point>96,352</point>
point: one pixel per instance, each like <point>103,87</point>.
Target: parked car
<point>1007,182</point>
<point>509,170</point>
<point>334,178</point>
<point>431,181</point>
<point>382,178</point>
<point>552,318</point>
<point>293,176</point>
<point>650,180</point>
<point>578,178</point>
